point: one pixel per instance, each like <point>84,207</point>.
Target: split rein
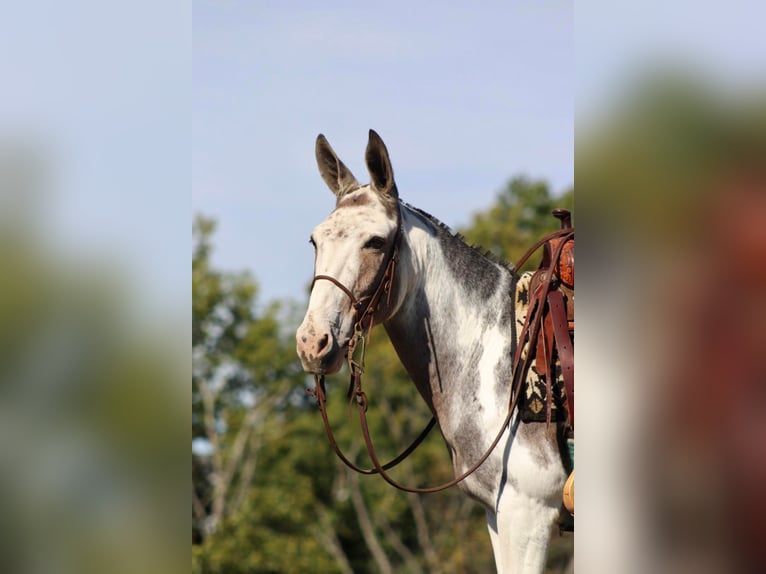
<point>365,309</point>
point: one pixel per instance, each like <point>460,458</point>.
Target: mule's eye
<point>375,243</point>
<point>313,243</point>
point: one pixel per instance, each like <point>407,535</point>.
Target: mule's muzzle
<point>319,352</point>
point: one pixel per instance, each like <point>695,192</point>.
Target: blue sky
<point>131,104</point>
<point>615,41</point>
<point>464,98</point>
<point>101,92</point>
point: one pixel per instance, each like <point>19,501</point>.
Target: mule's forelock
<point>379,166</point>
<point>334,172</point>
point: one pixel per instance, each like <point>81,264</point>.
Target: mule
<point>452,317</point>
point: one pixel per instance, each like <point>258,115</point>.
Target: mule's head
<point>352,247</point>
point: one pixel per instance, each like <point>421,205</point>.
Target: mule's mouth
<point>329,364</point>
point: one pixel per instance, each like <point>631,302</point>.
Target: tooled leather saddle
<point>549,332</point>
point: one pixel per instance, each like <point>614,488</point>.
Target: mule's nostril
<point>323,343</point>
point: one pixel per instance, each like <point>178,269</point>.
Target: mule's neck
<point>454,326</point>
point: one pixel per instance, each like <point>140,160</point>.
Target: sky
<point>99,93</point>
<point>136,106</point>
<point>615,42</point>
<point>464,98</point>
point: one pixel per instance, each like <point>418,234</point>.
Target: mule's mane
<point>458,236</point>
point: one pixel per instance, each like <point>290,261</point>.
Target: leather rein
<point>365,309</point>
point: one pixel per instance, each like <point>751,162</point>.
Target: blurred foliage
<point>92,410</point>
<point>268,493</point>
<point>669,144</point>
<point>672,199</point>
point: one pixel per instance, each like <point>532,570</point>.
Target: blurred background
<point>670,164</point>
<point>477,108</point>
<point>94,297</point>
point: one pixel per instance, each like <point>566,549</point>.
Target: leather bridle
<point>365,309</point>
<point>364,314</point>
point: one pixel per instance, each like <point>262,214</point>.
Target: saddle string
<point>529,332</point>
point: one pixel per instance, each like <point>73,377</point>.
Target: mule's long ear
<point>335,174</point>
<point>379,166</point>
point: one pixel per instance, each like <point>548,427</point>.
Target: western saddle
<point>549,331</point>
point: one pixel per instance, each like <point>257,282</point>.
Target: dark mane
<point>444,228</point>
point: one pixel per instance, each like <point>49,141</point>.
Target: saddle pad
<point>533,397</point>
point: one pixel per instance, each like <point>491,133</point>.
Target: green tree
<point>520,216</point>
<point>244,380</point>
